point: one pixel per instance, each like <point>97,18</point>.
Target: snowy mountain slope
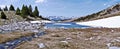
<point>58,18</point>
<point>111,22</point>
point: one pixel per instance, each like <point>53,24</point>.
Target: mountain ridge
<point>109,12</point>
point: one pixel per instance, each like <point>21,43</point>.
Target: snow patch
<point>42,21</point>
<point>111,22</point>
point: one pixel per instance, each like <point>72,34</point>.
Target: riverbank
<point>89,38</point>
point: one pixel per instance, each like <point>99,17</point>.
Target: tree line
<point>24,12</point>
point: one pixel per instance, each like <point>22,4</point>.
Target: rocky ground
<point>20,26</point>
<point>90,38</point>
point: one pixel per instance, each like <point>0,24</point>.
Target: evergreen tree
<point>30,9</point>
<point>27,10</point>
<point>11,8</point>
<point>0,9</point>
<point>36,12</point>
<point>18,11</point>
<point>24,11</point>
<point>5,9</point>
<point>3,16</point>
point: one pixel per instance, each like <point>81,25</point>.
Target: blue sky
<point>66,8</point>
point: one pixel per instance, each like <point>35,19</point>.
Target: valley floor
<point>90,38</point>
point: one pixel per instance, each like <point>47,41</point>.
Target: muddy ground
<point>90,38</point>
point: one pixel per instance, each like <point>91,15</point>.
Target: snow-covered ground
<point>42,21</point>
<point>111,22</point>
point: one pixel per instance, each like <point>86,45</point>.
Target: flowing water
<point>14,43</point>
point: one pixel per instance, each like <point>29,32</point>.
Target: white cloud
<point>39,1</point>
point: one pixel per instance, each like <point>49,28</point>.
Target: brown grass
<point>53,38</point>
<point>11,36</point>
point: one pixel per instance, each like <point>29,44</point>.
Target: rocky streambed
<point>12,44</point>
<point>20,27</point>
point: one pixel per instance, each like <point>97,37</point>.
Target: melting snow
<point>111,22</point>
<point>45,21</point>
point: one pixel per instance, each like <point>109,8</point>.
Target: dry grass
<point>11,36</point>
<point>76,39</point>
<point>115,44</point>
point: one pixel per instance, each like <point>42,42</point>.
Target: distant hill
<point>109,12</point>
<point>58,18</point>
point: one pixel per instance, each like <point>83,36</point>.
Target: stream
<point>16,42</point>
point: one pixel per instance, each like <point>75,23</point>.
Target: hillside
<point>109,12</point>
<point>12,17</point>
<point>26,13</point>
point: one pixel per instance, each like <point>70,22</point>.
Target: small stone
<point>68,38</point>
<point>109,44</point>
<point>36,36</point>
<point>65,42</point>
<point>41,45</point>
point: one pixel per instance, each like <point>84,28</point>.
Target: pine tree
<point>18,11</point>
<point>0,9</point>
<point>24,11</point>
<point>11,8</point>
<point>5,9</point>
<point>27,10</point>
<point>3,16</point>
<point>30,9</point>
<point>36,12</point>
